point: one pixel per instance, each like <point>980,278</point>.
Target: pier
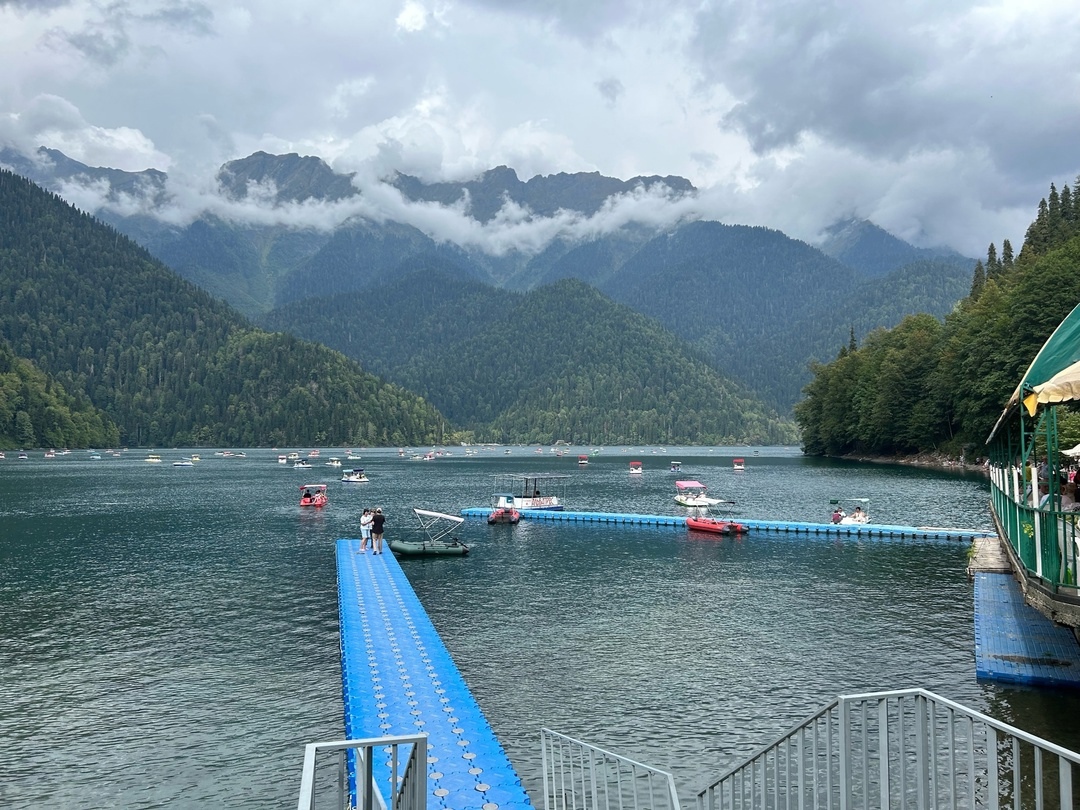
<point>398,679</point>
<point>786,526</point>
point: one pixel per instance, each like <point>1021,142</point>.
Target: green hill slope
<point>560,362</point>
<point>164,360</point>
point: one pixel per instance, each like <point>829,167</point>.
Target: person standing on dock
<point>377,522</point>
<point>365,530</point>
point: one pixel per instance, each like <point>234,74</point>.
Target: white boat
<point>695,495</point>
<point>194,456</point>
<point>282,459</point>
<point>857,516</point>
<point>352,455</point>
<point>185,462</point>
<point>153,458</point>
<point>529,491</point>
<point>676,466</point>
<point>583,459</point>
<point>738,464</point>
<point>635,468</point>
<point>354,477</point>
<point>292,457</point>
<point>333,462</point>
<point>301,464</point>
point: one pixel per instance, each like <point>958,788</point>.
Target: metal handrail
<point>580,775</point>
<point>408,792</point>
<point>901,748</point>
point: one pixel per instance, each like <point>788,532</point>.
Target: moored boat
<point>707,523</point>
<point>529,491</point>
<point>437,528</point>
<point>505,513</point>
<point>313,495</point>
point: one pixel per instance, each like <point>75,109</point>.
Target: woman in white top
<point>365,529</point>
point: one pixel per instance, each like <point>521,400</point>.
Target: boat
<point>332,462</point>
<point>313,495</point>
<point>529,491</point>
<point>313,454</point>
<point>506,513</point>
<point>437,528</point>
<point>282,459</point>
<point>50,454</point>
<point>3,456</point>
<point>857,516</point>
<point>184,462</point>
<point>292,457</point>
<point>23,455</point>
<point>739,464</point>
<point>676,466</point>
<point>695,494</point>
<point>153,458</point>
<point>352,455</point>
<point>582,459</point>
<point>301,464</point>
<point>707,523</point>
<point>93,456</point>
<point>195,457</point>
<point>354,476</point>
<point>635,468</point>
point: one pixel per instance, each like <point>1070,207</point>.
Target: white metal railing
<point>579,776</point>
<point>899,749</point>
<point>356,786</point>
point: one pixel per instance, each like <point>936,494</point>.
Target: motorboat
<point>738,464</point>
<point>332,462</point>
<point>437,528</point>
<point>352,455</point>
<point>50,454</point>
<point>707,523</point>
<point>635,468</point>
<point>695,495</point>
<point>676,466</point>
<point>355,476</point>
<point>504,513</point>
<point>153,458</point>
<point>23,455</point>
<point>184,462</point>
<point>313,495</point>
<point>529,491</point>
<point>301,464</point>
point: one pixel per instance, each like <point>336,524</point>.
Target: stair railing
<point>356,784</point>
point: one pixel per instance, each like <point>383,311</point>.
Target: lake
<point>168,635</point>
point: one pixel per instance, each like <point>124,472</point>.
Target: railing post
<point>368,800</point>
<point>883,752</point>
<point>845,743</point>
<point>1065,779</point>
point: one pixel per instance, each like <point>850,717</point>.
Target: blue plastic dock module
<point>398,678</point>
<point>1016,643</point>
<point>877,530</point>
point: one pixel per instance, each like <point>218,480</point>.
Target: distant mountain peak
<point>872,250</point>
<point>295,178</point>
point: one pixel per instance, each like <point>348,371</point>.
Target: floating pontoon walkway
<point>1016,643</point>
<point>399,679</point>
<point>679,521</point>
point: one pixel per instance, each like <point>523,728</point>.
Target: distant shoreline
<point>934,460</point>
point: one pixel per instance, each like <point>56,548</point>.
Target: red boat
<point>313,495</point>
<point>504,515</point>
<point>702,523</point>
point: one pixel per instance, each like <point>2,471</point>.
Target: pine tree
<point>852,345</point>
<point>978,281</point>
<point>1007,255</point>
<point>993,266</point>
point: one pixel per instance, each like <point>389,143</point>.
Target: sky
<point>942,121</point>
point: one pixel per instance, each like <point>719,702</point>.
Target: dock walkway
<point>398,679</point>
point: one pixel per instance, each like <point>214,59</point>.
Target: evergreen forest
<point>126,352</point>
<point>932,386</point>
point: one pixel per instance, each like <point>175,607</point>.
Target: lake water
<point>168,636</point>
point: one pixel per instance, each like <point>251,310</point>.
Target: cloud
<point>610,90</point>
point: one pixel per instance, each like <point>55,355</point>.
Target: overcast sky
<point>944,121</point>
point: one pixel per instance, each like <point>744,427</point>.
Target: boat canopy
<point>313,486</point>
<point>689,485</point>
<point>1054,374</point>
<point>423,513</point>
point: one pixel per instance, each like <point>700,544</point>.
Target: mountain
<point>166,362</point>
<point>758,305</point>
<point>559,362</point>
<point>875,252</point>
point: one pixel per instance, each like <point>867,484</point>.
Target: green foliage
<point>561,362</point>
<point>925,386</point>
<point>36,412</point>
<point>164,360</point>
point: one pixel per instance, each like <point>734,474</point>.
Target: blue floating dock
<point>1016,643</point>
<point>398,679</point>
<point>786,526</point>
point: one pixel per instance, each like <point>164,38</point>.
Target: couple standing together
<point>371,528</point>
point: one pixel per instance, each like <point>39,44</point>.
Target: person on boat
<point>859,516</point>
<point>837,515</point>
<point>365,530</point>
<point>377,522</point>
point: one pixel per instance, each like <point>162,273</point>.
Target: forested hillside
<point>35,411</point>
<point>927,386</point>
<point>164,360</point>
<point>560,362</point>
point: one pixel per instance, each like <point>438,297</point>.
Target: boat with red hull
<point>704,523</point>
<point>313,495</point>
